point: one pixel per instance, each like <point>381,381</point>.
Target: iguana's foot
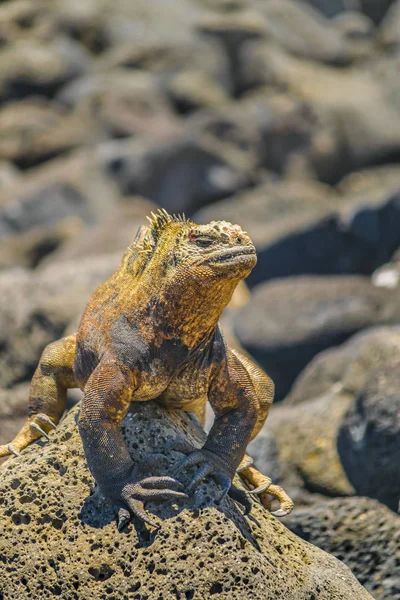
<point>262,486</point>
<point>210,465</point>
<point>139,490</point>
<point>34,428</point>
<point>135,494</point>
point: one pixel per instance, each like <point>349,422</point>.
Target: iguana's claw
<point>242,497</point>
<point>134,496</point>
<point>45,419</point>
<point>211,465</point>
<point>11,449</point>
<point>263,488</point>
<point>37,427</point>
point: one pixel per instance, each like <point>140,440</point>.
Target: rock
<point>29,248</point>
<point>298,445</point>
<point>13,411</point>
<point>347,367</point>
<point>375,10</point>
<point>124,103</point>
<point>264,130</point>
<point>8,174</point>
<point>388,275</point>
<point>233,30</point>
<point>389,31</point>
<point>355,231</point>
<point>59,524</point>
<point>288,321</point>
<point>38,306</point>
<point>362,533</point>
<point>110,237</point>
<point>33,67</point>
<point>65,187</point>
<point>330,8</point>
<point>305,32</point>
<point>345,101</point>
<point>368,440</point>
<point>34,131</point>
<point>286,220</point>
<point>179,175</point>
<point>193,90</point>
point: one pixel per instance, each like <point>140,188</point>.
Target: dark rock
<point>362,533</point>
<point>180,175</point>
<point>374,9</point>
<point>368,440</point>
<point>303,227</point>
<point>202,549</point>
<point>289,321</point>
<point>348,366</point>
<point>330,8</point>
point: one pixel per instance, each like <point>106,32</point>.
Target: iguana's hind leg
<point>47,396</point>
<point>259,483</point>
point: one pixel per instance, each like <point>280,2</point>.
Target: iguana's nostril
<point>239,240</point>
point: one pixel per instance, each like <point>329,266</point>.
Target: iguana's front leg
<point>234,401</point>
<point>107,398</point>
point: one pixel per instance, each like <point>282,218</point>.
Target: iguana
<point>151,332</point>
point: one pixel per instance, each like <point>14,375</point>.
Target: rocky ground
<point>282,116</point>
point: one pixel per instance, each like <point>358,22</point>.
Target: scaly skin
<point>151,331</point>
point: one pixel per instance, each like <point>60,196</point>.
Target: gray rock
<point>298,446</point>
<point>201,550</point>
<point>73,186</point>
<point>362,533</point>
<point>29,66</point>
<point>345,102</point>
<point>368,440</point>
<point>389,31</point>
<point>305,32</point>
<point>288,321</point>
<point>38,306</point>
<point>331,8</point>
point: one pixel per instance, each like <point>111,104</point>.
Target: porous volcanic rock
<point>362,533</point>
<point>57,541</point>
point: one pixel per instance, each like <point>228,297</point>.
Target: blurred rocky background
<point>280,115</point>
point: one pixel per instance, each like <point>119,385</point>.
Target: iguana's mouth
<point>237,255</point>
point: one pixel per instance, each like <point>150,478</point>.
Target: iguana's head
<point>186,273</point>
<point>177,247</point>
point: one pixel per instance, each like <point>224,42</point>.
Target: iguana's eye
<point>203,242</point>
